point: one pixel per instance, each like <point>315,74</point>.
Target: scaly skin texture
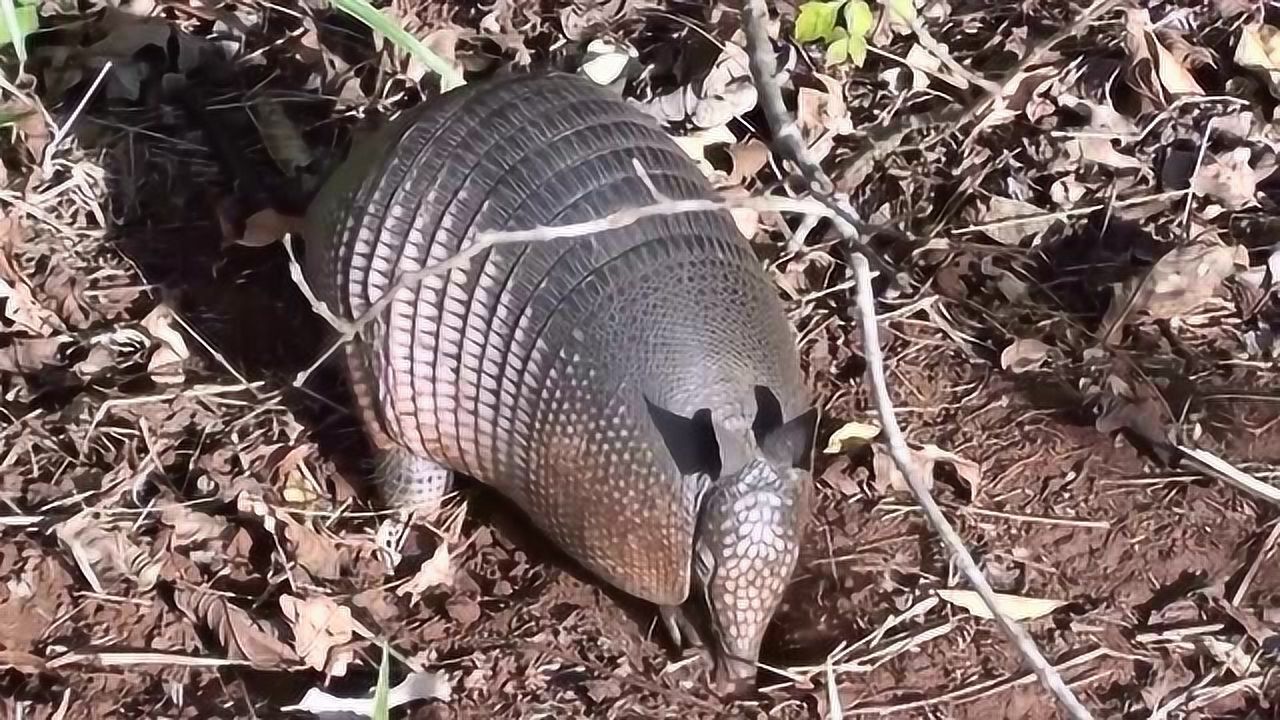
<point>539,369</point>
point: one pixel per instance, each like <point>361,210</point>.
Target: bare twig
<point>786,136</point>
<point>488,239</point>
<point>760,50</point>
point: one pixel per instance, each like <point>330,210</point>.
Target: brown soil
<point>203,503</point>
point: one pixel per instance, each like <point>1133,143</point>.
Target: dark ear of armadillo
<point>690,440</point>
<point>789,442</point>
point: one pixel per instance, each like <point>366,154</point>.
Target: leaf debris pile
<point>1084,355</point>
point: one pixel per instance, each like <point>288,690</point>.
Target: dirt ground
<point>1084,360</point>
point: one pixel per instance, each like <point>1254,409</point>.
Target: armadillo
<point>635,390</point>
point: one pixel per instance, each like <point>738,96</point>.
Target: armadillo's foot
<point>679,627</point>
<point>408,482</point>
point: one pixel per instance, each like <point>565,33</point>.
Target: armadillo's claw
<point>682,631</point>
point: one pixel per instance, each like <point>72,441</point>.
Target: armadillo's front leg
<point>408,482</point>
<point>403,481</point>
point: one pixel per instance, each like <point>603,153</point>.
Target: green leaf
<point>858,17</point>
<point>837,52</point>
<point>904,10</point>
<point>847,48</point>
<point>17,21</point>
<point>857,49</point>
<point>816,21</point>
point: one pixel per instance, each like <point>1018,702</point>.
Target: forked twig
<point>761,54</point>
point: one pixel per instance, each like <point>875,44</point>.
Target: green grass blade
<point>16,23</point>
<point>380,709</point>
<point>369,15</point>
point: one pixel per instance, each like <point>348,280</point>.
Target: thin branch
<point>760,50</point>
<point>787,137</point>
<point>488,239</point>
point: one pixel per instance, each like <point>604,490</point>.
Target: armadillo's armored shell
<point>529,366</point>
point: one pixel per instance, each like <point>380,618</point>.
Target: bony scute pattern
<point>636,392</point>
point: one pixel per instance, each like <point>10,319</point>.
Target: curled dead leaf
<point>192,527</point>
<point>315,553</point>
<point>725,93</point>
<point>1138,409</point>
<point>165,365</point>
<point>29,355</point>
<point>697,142</point>
<point>1024,354</point>
<point>264,227</point>
<point>851,435</point>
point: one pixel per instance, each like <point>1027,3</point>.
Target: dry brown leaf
<point>1014,607</point>
<point>726,92</point>
<point>191,527</point>
<point>696,144</point>
<point>29,355</point>
<point>923,66</point>
<point>1136,408</point>
<point>749,158</point>
<point>22,661</point>
<point>1229,179</point>
<point>923,460</point>
<point>127,35</point>
<point>242,637</point>
<point>1099,150</point>
<point>298,485</point>
<point>1179,283</point>
<point>30,123</point>
<point>317,554</point>
<point>1024,354</point>
<point>106,553</point>
<point>1032,220</point>
<point>1155,70</point>
<point>319,626</point>
<point>21,311</point>
<point>435,572</point>
<point>264,227</point>
<point>1259,49</point>
<point>281,137</point>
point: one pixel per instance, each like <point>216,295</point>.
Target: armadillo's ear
<point>690,440</point>
<point>789,442</point>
